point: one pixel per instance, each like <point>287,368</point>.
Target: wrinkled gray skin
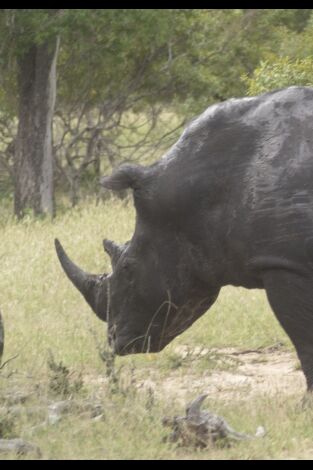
<point>230,203</point>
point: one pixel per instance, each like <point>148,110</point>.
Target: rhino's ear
<point>124,177</point>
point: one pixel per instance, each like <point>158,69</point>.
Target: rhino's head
<point>152,295</point>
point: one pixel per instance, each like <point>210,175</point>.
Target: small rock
<point>18,446</point>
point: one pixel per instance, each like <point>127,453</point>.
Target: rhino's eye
<point>127,268</point>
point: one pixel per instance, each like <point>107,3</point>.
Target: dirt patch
<point>264,372</point>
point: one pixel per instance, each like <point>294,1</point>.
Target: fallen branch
<point>202,428</point>
<point>8,360</point>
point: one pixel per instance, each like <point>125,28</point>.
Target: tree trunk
<point>33,163</point>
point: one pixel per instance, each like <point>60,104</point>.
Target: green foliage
<point>183,58</point>
<point>187,57</point>
<point>281,72</point>
<point>291,61</point>
<point>157,56</point>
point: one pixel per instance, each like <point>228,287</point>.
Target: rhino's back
<point>276,186</point>
<point>242,151</point>
<point>243,172</point>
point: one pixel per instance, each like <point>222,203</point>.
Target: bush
<point>280,72</point>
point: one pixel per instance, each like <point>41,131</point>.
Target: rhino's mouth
<point>124,339</point>
<point>125,345</point>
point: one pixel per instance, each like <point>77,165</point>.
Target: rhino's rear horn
<point>113,250</point>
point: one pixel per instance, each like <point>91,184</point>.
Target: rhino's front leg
<point>291,297</point>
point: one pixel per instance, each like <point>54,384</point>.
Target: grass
<point>43,313</point>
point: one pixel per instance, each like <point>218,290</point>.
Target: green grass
<point>42,312</point>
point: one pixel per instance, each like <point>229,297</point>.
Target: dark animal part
<point>231,203</point>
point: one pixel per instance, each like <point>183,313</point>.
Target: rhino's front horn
<point>91,286</point>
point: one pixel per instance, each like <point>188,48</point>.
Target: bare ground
<point>264,372</point>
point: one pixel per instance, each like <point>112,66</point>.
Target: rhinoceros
<point>230,203</point>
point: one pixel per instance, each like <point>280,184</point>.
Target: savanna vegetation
<point>121,86</point>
